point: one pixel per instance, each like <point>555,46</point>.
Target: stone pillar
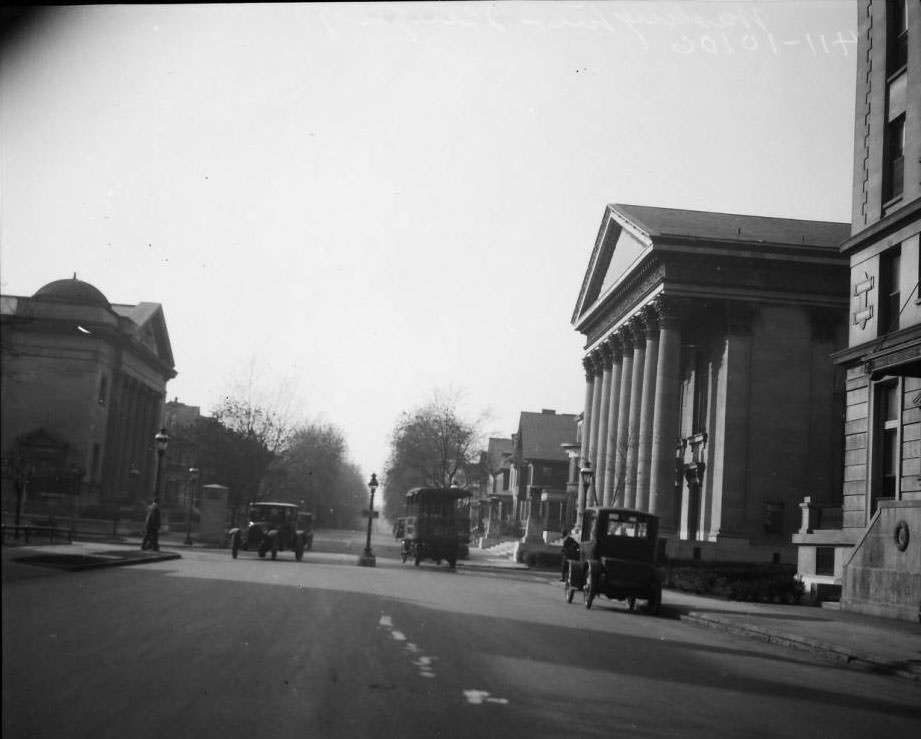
<point>644,451</point>
<point>731,432</point>
<point>589,368</point>
<point>607,491</point>
<point>665,416</point>
<point>623,416</point>
<point>636,405</point>
<point>597,364</point>
<point>607,360</point>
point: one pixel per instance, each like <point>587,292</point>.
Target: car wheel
<point>591,585</point>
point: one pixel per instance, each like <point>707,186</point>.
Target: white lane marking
<point>423,664</point>
<point>478,697</point>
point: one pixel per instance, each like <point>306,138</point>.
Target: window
<point>896,36</point>
<point>889,295</point>
<point>700,393</point>
<point>824,560</point>
<point>887,457</point>
<point>894,159</point>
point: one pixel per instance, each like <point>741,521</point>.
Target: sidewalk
<point>880,645</point>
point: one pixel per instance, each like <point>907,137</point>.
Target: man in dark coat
<point>570,551</point>
<point>152,527</point>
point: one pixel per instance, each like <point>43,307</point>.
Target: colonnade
<point>631,416</point>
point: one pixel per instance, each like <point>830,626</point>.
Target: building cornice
<point>885,226</point>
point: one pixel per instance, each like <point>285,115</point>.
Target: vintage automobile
<point>436,525</point>
<point>273,527</point>
<point>618,558</point>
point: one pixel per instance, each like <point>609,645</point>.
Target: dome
<point>72,291</point>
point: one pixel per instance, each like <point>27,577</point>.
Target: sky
<point>360,206</point>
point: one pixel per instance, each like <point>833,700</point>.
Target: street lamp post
<point>162,439</point>
<point>367,557</point>
<point>193,475</point>
<point>587,474</point>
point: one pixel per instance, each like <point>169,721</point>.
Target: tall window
<point>885,483</point>
<point>701,392</point>
<point>103,389</point>
<point>894,158</point>
<point>889,295</point>
<point>896,35</point>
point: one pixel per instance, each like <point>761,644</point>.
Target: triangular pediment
<point>148,328</point>
<point>619,246</point>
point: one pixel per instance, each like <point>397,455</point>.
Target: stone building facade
<point>83,383</point>
<point>869,546</point>
<point>710,397</point>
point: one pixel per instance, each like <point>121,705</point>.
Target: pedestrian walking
<point>570,551</point>
<point>152,527</point>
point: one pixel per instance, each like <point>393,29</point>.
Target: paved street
<point>210,646</point>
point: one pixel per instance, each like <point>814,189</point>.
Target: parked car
<point>618,558</point>
<point>272,528</point>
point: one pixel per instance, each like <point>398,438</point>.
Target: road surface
<point>209,646</point>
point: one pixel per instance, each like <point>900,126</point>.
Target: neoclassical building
<point>83,384</point>
<point>711,398</point>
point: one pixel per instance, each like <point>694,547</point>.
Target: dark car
<point>618,558</point>
<point>273,527</point>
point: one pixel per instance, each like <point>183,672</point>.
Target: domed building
<point>83,387</point>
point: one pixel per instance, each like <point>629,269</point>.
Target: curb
<point>94,561</point>
<point>830,652</point>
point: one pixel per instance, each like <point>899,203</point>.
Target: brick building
<point>868,546</point>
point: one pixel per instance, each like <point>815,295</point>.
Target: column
<point>596,408</point>
<point>731,433</point>
<point>636,405</point>
<point>607,360</point>
<point>586,428</point>
<point>644,452</point>
<point>607,491</point>
<point>665,416</point>
<point>623,416</point>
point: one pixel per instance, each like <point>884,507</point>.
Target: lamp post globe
<point>587,474</point>
<point>162,441</point>
<point>367,558</point>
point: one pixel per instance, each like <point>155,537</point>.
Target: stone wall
<point>882,576</point>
